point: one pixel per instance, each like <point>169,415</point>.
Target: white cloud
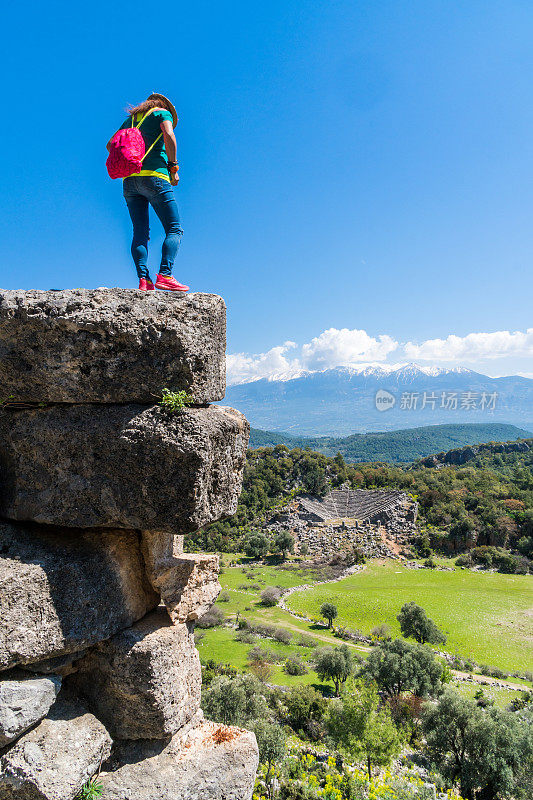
<point>244,367</point>
<point>357,349</point>
<point>474,346</point>
<point>336,348</point>
<point>333,348</point>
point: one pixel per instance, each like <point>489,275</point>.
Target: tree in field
<point>256,545</point>
<point>284,542</point>
<point>400,666</point>
<point>334,664</point>
<point>362,727</point>
<point>235,701</point>
<point>271,742</point>
<point>415,624</point>
<point>488,752</point>
<point>329,612</point>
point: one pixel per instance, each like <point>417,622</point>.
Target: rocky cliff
<point>99,674</point>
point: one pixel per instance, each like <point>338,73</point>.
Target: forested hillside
<point>485,503</point>
<point>395,447</point>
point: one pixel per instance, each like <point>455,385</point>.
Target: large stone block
<point>145,682</point>
<point>62,591</point>
<point>23,703</point>
<point>123,466</point>
<point>212,762</point>
<point>55,759</point>
<point>110,345</point>
<point>187,582</point>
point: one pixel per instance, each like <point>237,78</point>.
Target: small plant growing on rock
<point>90,790</point>
<point>174,402</point>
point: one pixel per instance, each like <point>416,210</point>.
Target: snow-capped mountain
<point>367,370</point>
<point>344,400</point>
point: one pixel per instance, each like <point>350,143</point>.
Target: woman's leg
<point>138,208</point>
<point>166,208</point>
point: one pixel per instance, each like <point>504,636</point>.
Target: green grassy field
<point>486,616</point>
<point>219,643</point>
<point>501,697</point>
<point>462,593</point>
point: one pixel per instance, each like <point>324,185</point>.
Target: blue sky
<point>354,175</point>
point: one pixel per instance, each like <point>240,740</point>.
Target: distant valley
<point>342,401</point>
<point>395,447</point>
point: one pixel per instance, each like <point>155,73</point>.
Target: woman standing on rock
<point>155,172</point>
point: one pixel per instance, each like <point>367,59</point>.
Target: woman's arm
<point>171,148</point>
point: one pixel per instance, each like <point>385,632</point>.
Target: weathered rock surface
<point>145,682</point>
<point>123,466</point>
<point>23,703</point>
<point>212,762</point>
<point>187,582</point>
<point>62,592</point>
<point>110,345</point>
<point>53,761</point>
<point>61,665</point>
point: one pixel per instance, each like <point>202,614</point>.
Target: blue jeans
<point>139,193</point>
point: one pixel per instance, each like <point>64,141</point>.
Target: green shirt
<point>156,162</point>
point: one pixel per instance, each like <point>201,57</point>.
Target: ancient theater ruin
<point>377,522</point>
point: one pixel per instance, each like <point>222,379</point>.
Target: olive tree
<point>362,726</point>
<point>487,752</point>
<point>335,664</point>
<point>329,612</point>
<point>400,666</point>
<point>415,624</point>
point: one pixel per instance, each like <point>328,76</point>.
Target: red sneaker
<point>170,283</point>
<point>146,285</point>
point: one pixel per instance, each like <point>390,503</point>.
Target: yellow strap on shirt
<point>139,125</point>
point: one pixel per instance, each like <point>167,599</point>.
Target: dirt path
<point>328,639</point>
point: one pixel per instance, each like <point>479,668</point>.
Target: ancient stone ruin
<point>377,522</point>
<point>98,485</point>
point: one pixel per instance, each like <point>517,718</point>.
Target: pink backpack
<point>127,150</point>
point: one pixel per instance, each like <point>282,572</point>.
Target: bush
<point>245,636</point>
<point>282,635</point>
<point>270,596</point>
<point>382,632</point>
<point>264,630</point>
<point>224,597</point>
<point>259,653</point>
<point>295,666</point>
<point>215,616</point>
<point>306,641</point>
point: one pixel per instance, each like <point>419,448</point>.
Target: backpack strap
<point>139,125</point>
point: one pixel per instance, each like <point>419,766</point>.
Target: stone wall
<point>98,669</point>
